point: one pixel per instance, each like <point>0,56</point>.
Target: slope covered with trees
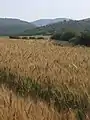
<point>72,25</point>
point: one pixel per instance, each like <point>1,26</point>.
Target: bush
<point>31,37</point>
<point>67,36</point>
<point>40,37</point>
<point>56,36</point>
<point>74,40</point>
<point>14,37</point>
<point>64,36</point>
<point>84,39</point>
<point>24,37</point>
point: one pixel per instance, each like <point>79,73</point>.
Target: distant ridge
<point>10,26</point>
<point>71,25</point>
<point>43,22</point>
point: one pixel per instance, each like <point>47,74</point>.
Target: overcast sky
<point>38,9</point>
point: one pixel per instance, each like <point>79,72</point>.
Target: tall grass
<point>58,76</point>
<point>49,94</point>
<point>16,108</point>
<point>62,97</point>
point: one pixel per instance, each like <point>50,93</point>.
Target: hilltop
<point>43,22</point>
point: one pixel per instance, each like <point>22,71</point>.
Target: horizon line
<point>41,18</point>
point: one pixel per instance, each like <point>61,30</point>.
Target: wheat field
<point>67,69</point>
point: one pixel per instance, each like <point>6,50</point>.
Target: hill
<point>10,26</point>
<point>71,25</point>
<point>43,22</point>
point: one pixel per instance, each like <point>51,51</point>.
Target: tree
<point>66,36</point>
<point>84,38</point>
<point>56,36</point>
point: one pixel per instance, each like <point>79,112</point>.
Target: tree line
<point>76,39</point>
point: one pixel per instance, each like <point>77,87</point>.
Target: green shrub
<point>31,37</point>
<point>40,37</point>
<point>24,37</point>
<point>14,37</point>
<point>84,39</point>
<point>56,36</point>
<point>67,36</point>
<point>74,40</point>
<point>64,36</point>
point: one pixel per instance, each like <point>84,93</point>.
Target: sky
<point>31,10</point>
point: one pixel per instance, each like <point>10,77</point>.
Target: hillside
<point>13,26</point>
<point>72,25</point>
<point>43,22</point>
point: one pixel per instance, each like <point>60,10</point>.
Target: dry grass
<point>15,108</point>
<point>67,68</point>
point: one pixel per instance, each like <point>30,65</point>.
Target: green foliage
<point>64,36</point>
<point>40,37</point>
<point>14,37</point>
<point>84,38</point>
<point>56,36</point>
<point>74,40</point>
<point>80,115</point>
<point>73,26</point>
<point>32,37</point>
<point>25,37</point>
<point>14,26</point>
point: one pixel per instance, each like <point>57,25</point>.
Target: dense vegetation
<point>72,25</point>
<point>26,37</point>
<point>13,26</point>
<point>14,37</point>
<point>65,36</point>
<point>82,39</point>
